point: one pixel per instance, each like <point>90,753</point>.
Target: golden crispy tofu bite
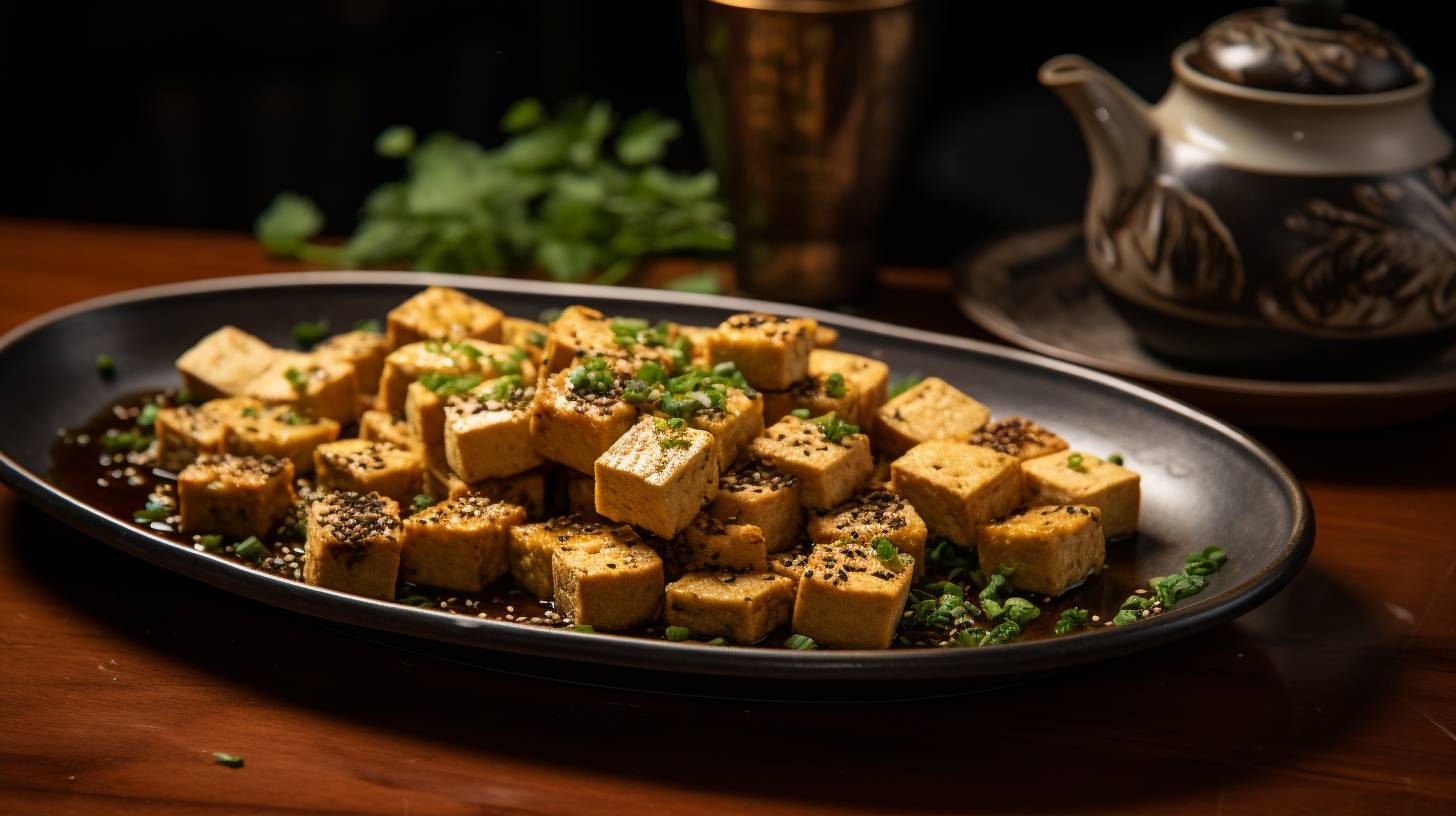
<point>1046,550</point>
<point>831,463</point>
<point>185,432</point>
<point>532,546</point>
<point>578,414</point>
<point>461,544</point>
<point>611,587</point>
<point>234,495</point>
<point>771,351</point>
<point>439,313</point>
<point>364,350</point>
<point>224,362</point>
<point>712,544</point>
<point>353,544</point>
<point>1081,478</point>
<point>280,432</point>
<point>872,515</point>
<point>744,608</point>
<point>870,377</point>
<point>577,332</point>
<point>957,487</point>
<point>850,597</point>
<point>930,409</point>
<point>488,430</point>
<point>424,415</point>
<point>657,475</point>
<point>364,467</point>
<point>311,384</point>
<point>1019,437</point>
<point>450,365</point>
<point>734,425</point>
<point>818,395</point>
<point>760,494</point>
<point>381,426</point>
<point>790,563</point>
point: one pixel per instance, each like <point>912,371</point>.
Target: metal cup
<point>801,104</point>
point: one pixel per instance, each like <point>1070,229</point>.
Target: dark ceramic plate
<point>1034,290</point>
<point>1204,483</point>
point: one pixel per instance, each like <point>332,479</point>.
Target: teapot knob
<point>1314,13</point>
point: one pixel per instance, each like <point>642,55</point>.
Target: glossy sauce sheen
<point>79,468</point>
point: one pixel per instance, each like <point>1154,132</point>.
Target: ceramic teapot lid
<point>1304,46</point>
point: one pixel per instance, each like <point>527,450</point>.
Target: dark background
<point>195,114</point>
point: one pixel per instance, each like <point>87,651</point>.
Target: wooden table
<point>118,680</point>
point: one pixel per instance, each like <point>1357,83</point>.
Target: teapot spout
<point>1116,122</point>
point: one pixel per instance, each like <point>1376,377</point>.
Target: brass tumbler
<point>802,104</point>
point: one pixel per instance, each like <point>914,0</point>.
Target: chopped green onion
<point>115,441</point>
<point>292,417</point>
<point>210,543</point>
<point>1114,458</point>
<point>800,642</point>
<point>448,384</point>
<point>1071,619</point>
<point>184,396</point>
<point>370,325</point>
<point>583,627</point>
<point>717,641</point>
<point>834,385</point>
<point>903,385</point>
<point>152,512</point>
<point>423,501</point>
<point>593,376</point>
<point>148,415</point>
<point>549,316</point>
<point>230,760</point>
<point>536,339</point>
<point>1074,461</point>
<point>250,549</point>
<point>835,429</point>
<point>308,334</point>
<point>499,388</point>
<point>297,379</point>
<point>1021,611</point>
<point>801,413</point>
<point>677,634</point>
<point>105,365</point>
<point>250,411</point>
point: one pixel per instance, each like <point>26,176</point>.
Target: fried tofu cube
<point>712,544</point>
<point>280,432</point>
<point>461,544</point>
<point>488,431</point>
<point>424,415</point>
<point>312,384</point>
<point>818,396</point>
<point>829,472</point>
<point>657,476</point>
<point>1019,437</point>
<point>762,495</point>
<point>532,546</point>
<point>440,313</point>
<point>740,420</point>
<point>353,544</point>
<point>873,515</point>
<point>1046,550</point>
<point>931,409</point>
<point>234,495</point>
<point>871,378</point>
<point>185,432</point>
<point>224,362</point>
<point>1113,489</point>
<point>825,337</point>
<point>381,426</point>
<point>849,599</point>
<point>957,487</point>
<point>790,563</point>
<point>527,335</point>
<point>364,350</point>
<point>615,587</point>
<point>575,427</point>
<point>576,331</point>
<point>771,351</point>
<point>525,489</point>
<point>744,608</point>
<point>446,359</point>
<point>369,467</point>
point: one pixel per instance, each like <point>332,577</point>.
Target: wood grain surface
<point>118,680</point>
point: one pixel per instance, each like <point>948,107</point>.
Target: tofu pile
<point>735,480</point>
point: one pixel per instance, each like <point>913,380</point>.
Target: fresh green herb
<point>152,512</point>
<point>210,543</point>
<point>717,641</point>
<point>1176,587</point>
<point>1021,611</point>
<point>834,385</point>
<point>1114,458</point>
<point>297,379</point>
<point>423,501</point>
<point>250,412</point>
<point>308,334</point>
<point>536,339</point>
<point>1003,632</point>
<point>1208,562</point>
<point>251,549</point>
<point>446,385</point>
<point>184,396</point>
<point>292,417</point>
<point>561,194</point>
<point>668,427</point>
<point>945,556</point>
<point>105,365</point>
<point>115,441</point>
<point>705,281</point>
<point>904,385</point>
<point>1125,616</point>
<point>230,760</point>
<point>800,642</point>
<point>835,429</point>
<point>593,376</point>
<point>499,388</point>
<point>370,325</point>
<point>677,634</point>
<point>414,599</point>
<point>685,395</point>
<point>1131,610</point>
<point>583,627</point>
<point>1071,619</point>
<point>1074,461</point>
<point>801,413</point>
<point>147,417</point>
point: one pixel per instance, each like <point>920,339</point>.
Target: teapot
<point>1289,204</point>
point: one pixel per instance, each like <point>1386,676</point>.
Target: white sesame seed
<point>1140,591</point>
<point>1096,618</point>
